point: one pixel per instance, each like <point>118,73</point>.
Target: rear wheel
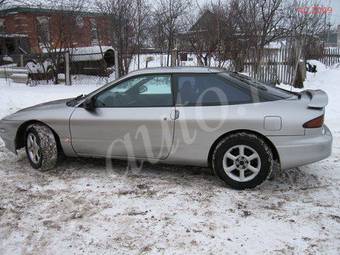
<point>242,160</point>
<point>41,147</point>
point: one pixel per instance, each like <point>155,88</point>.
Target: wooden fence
<point>330,56</point>
<point>276,66</point>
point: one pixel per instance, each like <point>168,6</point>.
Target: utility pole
<point>329,32</point>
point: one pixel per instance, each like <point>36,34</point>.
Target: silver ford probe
<point>241,128</point>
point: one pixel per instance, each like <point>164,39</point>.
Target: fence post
<point>21,60</point>
<point>67,69</point>
<point>116,65</point>
<point>161,59</point>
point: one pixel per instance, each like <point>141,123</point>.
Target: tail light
<point>314,123</point>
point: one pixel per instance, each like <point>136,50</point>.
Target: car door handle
<point>174,115</point>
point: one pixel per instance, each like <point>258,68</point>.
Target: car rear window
<point>224,89</point>
<point>265,92</point>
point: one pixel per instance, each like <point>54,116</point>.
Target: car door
<point>130,119</point>
<point>206,106</point>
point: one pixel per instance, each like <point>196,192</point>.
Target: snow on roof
<point>90,49</point>
<point>12,35</point>
<point>91,53</point>
<point>46,9</point>
<point>276,45</point>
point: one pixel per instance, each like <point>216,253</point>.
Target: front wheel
<point>243,160</point>
<point>41,147</point>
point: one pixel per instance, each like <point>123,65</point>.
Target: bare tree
<point>305,27</point>
<point>265,21</point>
<point>227,30</point>
<point>157,34</point>
<point>261,22</point>
<point>57,32</point>
<point>233,43</point>
<point>128,19</point>
<point>143,25</point>
<point>217,34</point>
<point>169,20</point>
<point>2,3</point>
<point>202,36</point>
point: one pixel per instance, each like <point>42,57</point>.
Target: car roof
<point>177,69</point>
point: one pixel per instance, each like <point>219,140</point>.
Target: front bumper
<point>8,131</point>
<point>296,151</point>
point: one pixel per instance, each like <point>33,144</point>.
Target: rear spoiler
<point>318,98</point>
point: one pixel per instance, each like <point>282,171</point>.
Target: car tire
<point>41,147</point>
<point>242,160</point>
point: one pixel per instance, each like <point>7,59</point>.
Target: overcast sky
<point>335,16</point>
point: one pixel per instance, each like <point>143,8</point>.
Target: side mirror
<point>89,104</point>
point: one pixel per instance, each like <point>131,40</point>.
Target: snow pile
<point>276,45</point>
<point>8,59</point>
<point>327,79</point>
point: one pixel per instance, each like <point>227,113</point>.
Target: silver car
<point>239,127</point>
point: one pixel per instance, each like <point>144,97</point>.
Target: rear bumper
<point>296,151</point>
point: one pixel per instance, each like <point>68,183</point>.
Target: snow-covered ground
<point>81,208</point>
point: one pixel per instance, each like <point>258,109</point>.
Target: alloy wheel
<point>33,148</point>
<point>241,163</point>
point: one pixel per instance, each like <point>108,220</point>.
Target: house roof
<point>20,9</point>
<point>203,22</point>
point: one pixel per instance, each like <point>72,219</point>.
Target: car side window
<point>141,91</point>
<point>209,89</point>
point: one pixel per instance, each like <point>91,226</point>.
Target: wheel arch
<point>21,133</point>
<point>276,155</point>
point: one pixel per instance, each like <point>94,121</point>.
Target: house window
<point>43,29</point>
<point>2,26</point>
<point>94,32</point>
